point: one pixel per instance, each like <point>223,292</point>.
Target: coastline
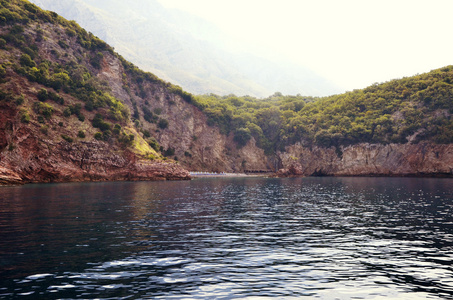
<point>223,174</point>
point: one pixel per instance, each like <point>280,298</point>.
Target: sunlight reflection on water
<point>249,238</point>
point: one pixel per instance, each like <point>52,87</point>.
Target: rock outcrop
<point>85,161</point>
<point>8,177</point>
<point>31,152</point>
<point>422,159</point>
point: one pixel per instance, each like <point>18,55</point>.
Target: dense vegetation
<point>417,108</point>
<point>22,32</point>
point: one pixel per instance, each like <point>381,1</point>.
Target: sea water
<point>229,238</point>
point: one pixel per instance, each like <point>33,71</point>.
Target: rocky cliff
<point>422,159</point>
<point>74,110</point>
<point>59,121</point>
<point>35,153</point>
<point>196,145</point>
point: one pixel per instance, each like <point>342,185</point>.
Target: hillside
<point>74,110</point>
<point>414,109</point>
<point>186,50</point>
<point>60,120</point>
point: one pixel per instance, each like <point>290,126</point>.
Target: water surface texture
<point>229,238</point>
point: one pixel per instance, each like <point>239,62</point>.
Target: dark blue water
<point>240,238</point>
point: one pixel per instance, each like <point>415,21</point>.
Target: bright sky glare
<point>354,43</point>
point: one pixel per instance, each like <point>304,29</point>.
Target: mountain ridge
<point>199,67</point>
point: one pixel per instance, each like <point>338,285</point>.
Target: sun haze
<point>354,43</point>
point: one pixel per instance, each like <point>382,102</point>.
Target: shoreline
<point>214,175</point>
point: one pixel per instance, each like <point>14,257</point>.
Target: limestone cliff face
<point>370,160</point>
<point>197,146</point>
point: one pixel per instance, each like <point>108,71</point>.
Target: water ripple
<point>319,238</point>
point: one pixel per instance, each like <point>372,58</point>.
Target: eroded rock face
<point>9,177</point>
<point>423,159</point>
<point>34,157</point>
<point>91,161</point>
<point>196,145</point>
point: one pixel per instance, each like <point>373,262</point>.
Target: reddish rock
<point>31,156</point>
<point>293,170</point>
<point>8,177</point>
<point>424,159</point>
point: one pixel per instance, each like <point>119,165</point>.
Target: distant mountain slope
<point>415,109</point>
<point>174,46</point>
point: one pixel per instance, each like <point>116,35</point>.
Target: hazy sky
<point>354,43</point>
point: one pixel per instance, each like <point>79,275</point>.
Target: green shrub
<point>117,129</point>
<point>98,122</point>
<point>67,138</point>
<point>43,109</point>
<point>43,95</point>
<point>60,80</point>
<point>81,134</point>
<point>63,44</point>
<point>154,144</point>
<point>96,60</point>
<point>71,32</point>
<point>20,100</point>
<point>55,53</point>
<point>6,96</point>
<point>89,105</point>
<point>98,136</point>
<point>44,129</point>
<point>31,7</point>
<point>2,71</point>
<point>126,139</point>
<point>55,97</point>
<point>24,116</point>
<point>30,52</point>
<point>67,112</point>
<point>136,114</point>
<point>169,152</point>
<point>148,115</point>
<point>106,135</point>
<point>242,136</point>
<point>163,123</point>
<point>27,61</point>
<point>16,30</point>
